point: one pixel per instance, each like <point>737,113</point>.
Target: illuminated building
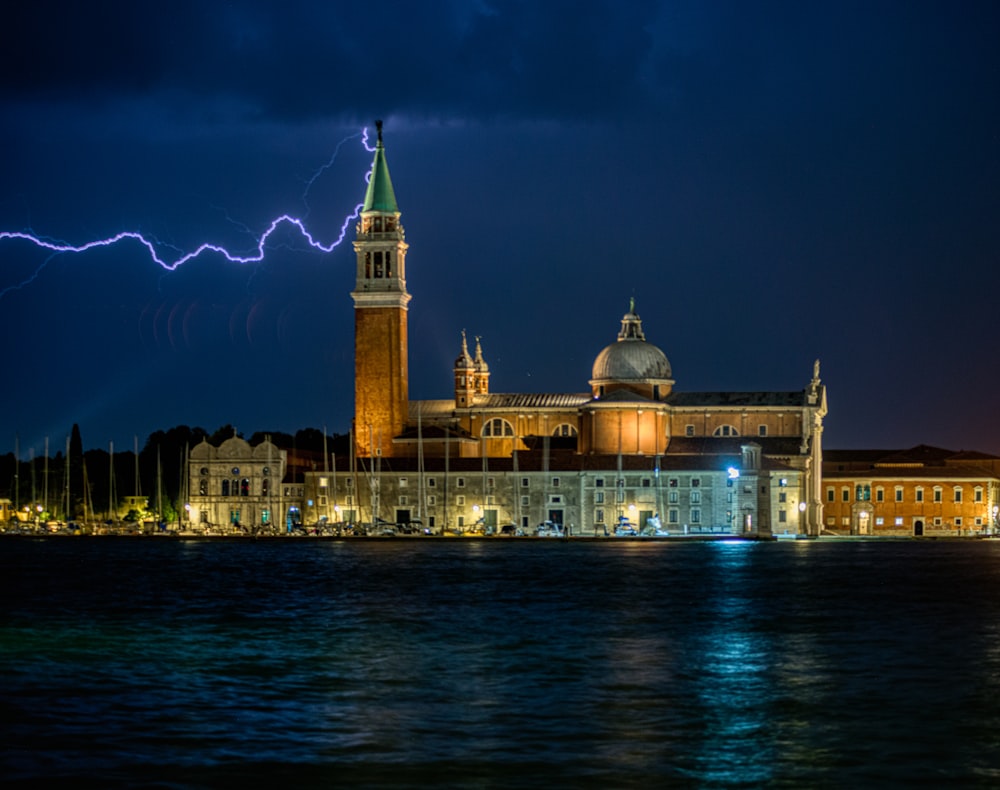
<point>923,491</point>
<point>239,485</point>
<point>522,458</point>
<point>632,452</point>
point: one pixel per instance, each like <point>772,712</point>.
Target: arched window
<point>726,430</point>
<point>498,427</point>
<point>245,487</point>
<point>565,429</point>
<point>203,487</point>
<point>225,488</point>
<point>264,486</point>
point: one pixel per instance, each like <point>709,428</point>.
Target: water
<point>500,663</point>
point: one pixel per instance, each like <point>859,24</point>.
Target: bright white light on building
<point>733,473</point>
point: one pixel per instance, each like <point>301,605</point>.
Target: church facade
<point>745,462</point>
<point>627,453</point>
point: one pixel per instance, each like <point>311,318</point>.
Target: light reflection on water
<point>511,663</point>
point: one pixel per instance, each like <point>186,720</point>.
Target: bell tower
<point>381,378</point>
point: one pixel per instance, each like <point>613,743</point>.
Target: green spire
<point>380,196</point>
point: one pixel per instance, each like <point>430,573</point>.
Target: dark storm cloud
<point>296,60</point>
<point>818,177</point>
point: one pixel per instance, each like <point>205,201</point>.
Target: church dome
<point>631,358</point>
<point>631,361</point>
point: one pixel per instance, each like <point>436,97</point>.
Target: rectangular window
<point>323,482</point>
<point>461,521</point>
<point>490,499</point>
<point>350,500</point>
<point>880,495</point>
<point>672,516</point>
<point>646,482</point>
<point>555,482</point>
<point>899,521</point>
<point>919,495</point>
<point>978,496</point>
<point>491,482</point>
<point>402,482</point>
<point>879,521</point>
<point>937,521</point>
<point>460,482</point>
<point>672,497</point>
<point>782,517</point>
<point>937,494</point>
<point>958,494</point>
<point>672,482</point>
<point>762,430</point>
<point>524,501</point>
<point>899,493</point>
<point>845,495</point>
<point>695,516</point>
<point>599,482</point>
<point>599,497</point>
<point>829,495</point>
<point>430,522</point>
<point>460,500</point>
<point>524,482</point>
<point>782,497</point>
<point>695,482</point>
<point>696,497</point>
<point>958,521</point>
<point>431,500</point>
<point>431,482</point>
<point>598,516</point>
<point>555,500</point>
<point>689,430</point>
<point>349,483</point>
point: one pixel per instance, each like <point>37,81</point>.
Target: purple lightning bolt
<point>151,246</point>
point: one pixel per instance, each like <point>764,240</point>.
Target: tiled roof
<point>784,446</point>
<point>540,400</point>
<point>718,399</point>
<point>922,461</point>
<point>936,472</point>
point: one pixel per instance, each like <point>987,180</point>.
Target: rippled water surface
<point>502,663</point>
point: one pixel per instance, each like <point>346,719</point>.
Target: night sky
<point>772,182</point>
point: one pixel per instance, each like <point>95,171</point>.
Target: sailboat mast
<point>69,515</point>
<point>421,492</point>
<point>514,484</point>
<point>269,482</point>
<point>112,510</point>
<point>135,452</point>
<point>159,488</point>
<point>45,503</point>
<point>326,472</point>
